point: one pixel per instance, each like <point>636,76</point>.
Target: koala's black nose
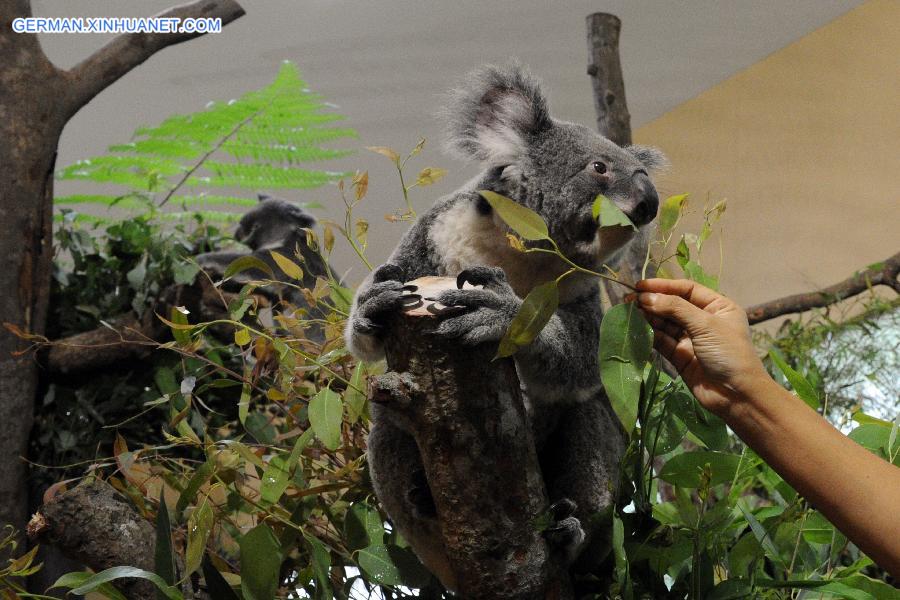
<point>646,201</point>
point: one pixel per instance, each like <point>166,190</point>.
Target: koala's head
<point>500,118</point>
<point>272,223</point>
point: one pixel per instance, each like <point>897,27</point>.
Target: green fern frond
<point>254,142</point>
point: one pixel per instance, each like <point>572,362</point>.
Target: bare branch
<point>883,273</point>
<point>94,74</point>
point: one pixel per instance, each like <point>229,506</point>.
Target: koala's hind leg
<point>580,462</point>
<point>399,481</point>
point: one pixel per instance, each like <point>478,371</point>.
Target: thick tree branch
<point>94,74</point>
<point>467,416</point>
<point>95,526</point>
<point>883,273</point>
<point>614,122</point>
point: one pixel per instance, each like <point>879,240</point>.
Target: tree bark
<point>468,419</point>
<point>882,273</point>
<point>614,122</point>
<point>36,100</point>
<point>95,526</point>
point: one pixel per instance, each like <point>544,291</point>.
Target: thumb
<point>675,308</point>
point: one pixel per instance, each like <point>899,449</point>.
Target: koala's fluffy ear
<point>263,197</point>
<point>650,157</point>
<point>492,115</point>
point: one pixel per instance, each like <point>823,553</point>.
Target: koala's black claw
<point>409,288</point>
<point>411,300</point>
<point>388,272</point>
<point>480,276</point>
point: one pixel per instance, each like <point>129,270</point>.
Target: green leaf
<point>872,436</point>
<point>94,582</point>
<point>377,563</point>
<point>326,416</point>
<point>184,272</point>
<point>199,525</point>
<point>430,175</point>
<point>260,563</point>
<point>354,399</point>
<point>290,268</point>
<point>759,532</point>
<point>216,585</point>
<point>321,563</point>
<point>245,263</point>
<point>275,479</point>
<point>182,336</point>
<point>670,212</point>
<point>625,343</point>
<point>623,578</point>
<point>524,221</point>
<point>163,555</point>
<point>77,578</point>
<point>200,476</point>
<point>535,312</point>
<point>695,272</point>
<point>608,214</point>
<point>685,469</point>
<point>363,526</point>
<point>798,382</point>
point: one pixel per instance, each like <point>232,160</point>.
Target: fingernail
<point>647,297</point>
<point>630,297</point>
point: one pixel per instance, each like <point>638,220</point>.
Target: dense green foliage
<point>244,442</point>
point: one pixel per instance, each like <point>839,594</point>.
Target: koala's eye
<point>598,167</point>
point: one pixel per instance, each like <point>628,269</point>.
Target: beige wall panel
<point>805,145</point>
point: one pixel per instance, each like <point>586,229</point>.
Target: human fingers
<point>675,308</point>
<point>693,292</point>
<point>679,352</point>
<point>669,327</point>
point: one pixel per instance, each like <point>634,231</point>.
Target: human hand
<point>706,337</point>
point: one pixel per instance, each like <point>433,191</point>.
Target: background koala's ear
<point>263,197</point>
<point>303,218</point>
<point>491,116</point>
<point>650,157</point>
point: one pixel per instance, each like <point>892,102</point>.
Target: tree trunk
<point>36,101</point>
<point>30,124</point>
<point>614,122</point>
<point>468,418</point>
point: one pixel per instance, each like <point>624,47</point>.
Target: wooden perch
<point>614,122</point>
<point>128,337</point>
<point>94,74</point>
<point>883,273</point>
<point>95,526</point>
<point>468,419</point>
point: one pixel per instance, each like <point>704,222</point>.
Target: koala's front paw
<point>490,308</point>
<point>384,297</point>
<point>565,533</point>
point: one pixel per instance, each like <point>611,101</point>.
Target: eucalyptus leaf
<point>524,221</point>
<point>607,214</point>
<point>245,263</point>
<point>289,267</point>
<point>377,563</point>
<point>685,469</point>
<point>536,310</point>
<point>326,416</point>
<point>260,563</point>
<point>625,343</point>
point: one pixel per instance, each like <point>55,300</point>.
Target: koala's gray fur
<point>278,225</point>
<point>500,117</point>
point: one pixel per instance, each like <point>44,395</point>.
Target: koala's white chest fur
<point>468,238</point>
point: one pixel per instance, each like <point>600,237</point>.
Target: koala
<point>277,225</point>
<point>500,118</point>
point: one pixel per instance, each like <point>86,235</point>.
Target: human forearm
<point>860,494</point>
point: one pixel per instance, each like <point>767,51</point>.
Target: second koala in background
<point>272,225</point>
<point>500,118</point>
